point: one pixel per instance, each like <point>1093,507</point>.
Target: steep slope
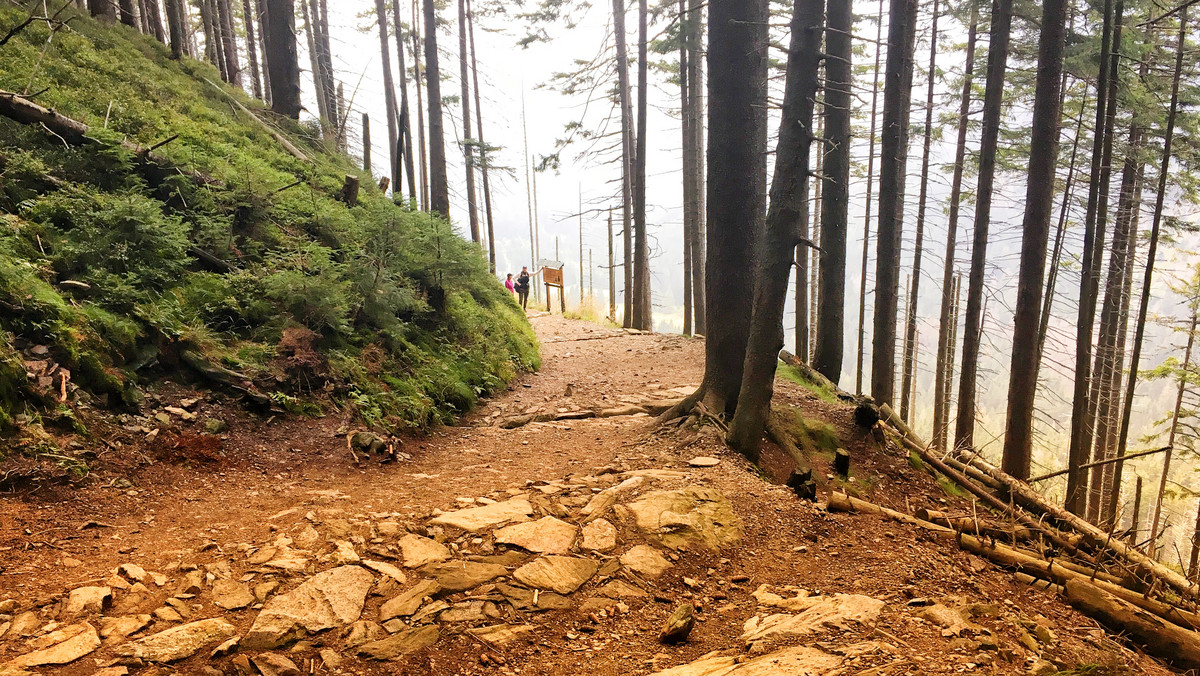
<point>224,257</point>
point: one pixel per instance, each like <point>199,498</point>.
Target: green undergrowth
<point>373,306</point>
<point>813,437</point>
<point>791,373</point>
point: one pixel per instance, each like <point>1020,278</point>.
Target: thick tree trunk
<point>688,153</point>
<point>908,368</point>
<point>127,11</point>
<point>1148,277</point>
<point>1080,448</point>
<point>422,156</point>
<point>314,63</point>
<point>105,10</point>
<point>439,185</point>
<point>1039,207</point>
<point>176,29</point>
<point>468,148</point>
<point>1001,22</point>
<point>282,60</point>
<point>945,350</point>
<point>642,306</point>
<point>484,159</point>
<point>251,53</point>
<point>789,197</point>
<point>212,52</point>
<point>893,155</point>
<point>389,93</point>
<point>405,127</point>
<point>866,247</point>
<point>695,40</point>
<point>229,42</point>
<point>152,17</point>
<point>737,123</point>
<point>627,156</point>
<point>262,34</point>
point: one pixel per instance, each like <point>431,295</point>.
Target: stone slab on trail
<point>563,574</point>
<point>547,535</point>
<point>645,561</point>
<point>400,644</point>
<point>456,576</point>
<point>798,661</point>
<point>231,595</point>
<point>407,602</point>
<point>416,551</point>
<point>478,519</point>
<point>692,515</point>
<point>180,642</point>
<point>333,598</point>
<point>815,613</point>
<point>501,634</point>
<point>62,646</point>
<point>599,536</point>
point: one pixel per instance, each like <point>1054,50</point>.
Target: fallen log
<point>976,526</point>
<point>1159,637</point>
<point>841,502</point>
<point>223,376</point>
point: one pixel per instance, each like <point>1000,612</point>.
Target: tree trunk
<point>1039,207</point>
<point>405,126</point>
<point>789,199</point>
<point>389,93</point>
<point>282,60</point>
<point>695,40</point>
<point>642,308</point>
<point>423,158</point>
<point>736,191</point>
<point>866,247</point>
<point>484,157</point>
<point>176,29</point>
<point>1148,278</point>
<point>688,153</point>
<point>945,350</point>
<point>105,10</point>
<point>127,11</point>
<point>366,142</point>
<point>948,376</point>
<point>612,274</point>
<point>212,53</point>
<point>909,364</point>
<point>439,185</point>
<point>468,141</point>
<point>1001,22</point>
<point>152,17</point>
<point>1162,484</point>
<point>229,42</point>
<point>893,155</point>
<point>325,57</point>
<point>627,152</point>
<point>1081,426</point>
<point>314,63</point>
<point>262,34</point>
<point>251,53</point>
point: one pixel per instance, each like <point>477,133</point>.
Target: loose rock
<point>563,574</point>
<point>679,624</point>
<point>333,598</point>
<point>180,642</point>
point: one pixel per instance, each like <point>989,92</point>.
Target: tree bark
<point>152,16</point>
<point>866,247</point>
<point>893,155</point>
<point>251,53</point>
<point>176,29</point>
<point>789,198</point>
<point>484,159</point>
<point>688,153</point>
<point>695,47</point>
<point>468,148</point>
<point>1001,22</point>
<point>422,156</point>
<point>389,93</point>
<point>1166,470</point>
<point>127,11</point>
<point>1148,277</point>
<point>1039,207</point>
<point>282,60</point>
<point>908,367</point>
<point>439,185</point>
<point>405,126</point>
<point>736,190</point>
<point>212,50</point>
<point>314,63</point>
<point>642,305</point>
<point>946,325</point>
<point>262,34</point>
<point>229,42</point>
<point>627,156</point>
<point>366,142</point>
<point>105,10</point>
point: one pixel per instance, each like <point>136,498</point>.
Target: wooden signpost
<point>553,278</point>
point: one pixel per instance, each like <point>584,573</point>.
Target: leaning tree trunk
<point>468,148</point>
<point>389,93</point>
<point>627,151</point>
<point>1001,22</point>
<point>1148,277</point>
<point>439,184</point>
<point>789,195</point>
<point>1039,207</point>
<point>835,198</point>
<point>642,309</point>
<point>282,60</point>
<point>893,154</point>
<point>909,366</point>
<point>945,349</point>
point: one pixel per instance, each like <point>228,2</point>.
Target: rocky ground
<point>556,532</point>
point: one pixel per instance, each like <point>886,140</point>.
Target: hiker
<point>523,287</point>
<point>510,285</point>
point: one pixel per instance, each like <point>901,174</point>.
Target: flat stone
<point>362,632</point>
<point>25,624</point>
<point>62,646</point>
<point>470,611</point>
<point>704,461</point>
<point>270,664</point>
<point>477,519</point>
<point>456,576</point>
<point>620,589</point>
<point>408,602</point>
<point>547,535</point>
<point>123,626</point>
<point>387,569</point>
<point>87,600</point>
<point>400,644</point>
<point>226,648</point>
<point>816,613</point>
<point>231,595</point>
<point>501,634</point>
<point>563,574</point>
<point>693,515</point>
<point>609,496</point>
<point>599,536</point>
<point>799,661</point>
<point>167,614</point>
<point>645,561</point>
<point>180,642</point>
<point>265,589</point>
<point>345,554</point>
<point>288,559</point>
<point>132,572</point>
<point>429,612</point>
<point>333,598</point>
<point>416,551</point>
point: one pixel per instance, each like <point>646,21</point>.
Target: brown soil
<point>196,498</point>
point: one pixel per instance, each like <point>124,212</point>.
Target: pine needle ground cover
<point>116,271</point>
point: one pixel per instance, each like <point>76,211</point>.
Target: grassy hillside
<point>371,306</point>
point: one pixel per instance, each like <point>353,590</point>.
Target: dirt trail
<point>283,516</point>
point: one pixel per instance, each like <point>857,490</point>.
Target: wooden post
<point>350,190</point>
<point>366,142</point>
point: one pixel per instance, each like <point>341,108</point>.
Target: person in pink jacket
<point>510,285</point>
